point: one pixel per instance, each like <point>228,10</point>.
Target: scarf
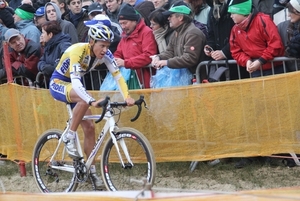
<point>244,24</point>
<point>76,18</point>
<point>159,35</point>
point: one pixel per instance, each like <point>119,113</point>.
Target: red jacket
<point>28,58</point>
<point>136,50</point>
<point>260,41</point>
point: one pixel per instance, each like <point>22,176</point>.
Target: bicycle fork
<point>124,149</point>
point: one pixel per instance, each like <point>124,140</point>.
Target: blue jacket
<point>29,30</point>
<point>53,50</point>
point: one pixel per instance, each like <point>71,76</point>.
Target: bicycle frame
<point>110,125</point>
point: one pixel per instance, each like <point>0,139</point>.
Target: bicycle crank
<point>80,171</point>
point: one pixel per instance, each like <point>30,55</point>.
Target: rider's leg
<point>88,128</point>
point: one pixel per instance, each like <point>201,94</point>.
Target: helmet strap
<point>92,43</point>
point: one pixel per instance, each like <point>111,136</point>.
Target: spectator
<point>161,29</point>
<point>23,19</point>
<point>6,22</point>
<point>27,2</point>
<point>56,42</point>
<point>62,7</point>
<point>133,3</point>
<point>184,51</point>
<point>77,16</point>
<point>39,17</point>
<point>136,46</point>
<point>25,54</point>
<point>14,4</point>
<point>200,9</point>
<point>219,27</point>
<point>6,15</point>
<point>264,6</point>
<point>53,13</point>
<point>254,39</point>
<point>95,9</point>
<point>159,3</point>
<point>113,9</point>
<point>144,9</point>
<point>86,4</point>
<point>290,35</point>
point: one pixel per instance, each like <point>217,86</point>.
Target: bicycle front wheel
<point>133,175</point>
<point>55,175</point>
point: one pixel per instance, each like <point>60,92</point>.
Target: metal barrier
<point>91,80</point>
<point>202,70</point>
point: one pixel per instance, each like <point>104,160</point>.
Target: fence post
<point>7,63</point>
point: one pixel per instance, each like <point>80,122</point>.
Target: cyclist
<point>66,86</point>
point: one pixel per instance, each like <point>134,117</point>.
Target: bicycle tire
<point>115,177</point>
<point>49,179</point>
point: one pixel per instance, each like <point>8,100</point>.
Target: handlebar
<point>106,104</point>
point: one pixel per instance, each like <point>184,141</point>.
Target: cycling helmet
<point>101,32</point>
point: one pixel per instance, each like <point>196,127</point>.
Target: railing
<point>289,65</point>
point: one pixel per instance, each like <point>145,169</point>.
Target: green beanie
<point>242,7</point>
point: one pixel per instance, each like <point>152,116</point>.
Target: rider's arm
<point>77,85</point>
<point>114,70</point>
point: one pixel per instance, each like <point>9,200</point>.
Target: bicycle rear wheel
<point>115,176</point>
<point>47,177</point>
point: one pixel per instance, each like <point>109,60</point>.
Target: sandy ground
<point>177,177</point>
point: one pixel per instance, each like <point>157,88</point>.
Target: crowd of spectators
<point>171,37</point>
<point>209,16</point>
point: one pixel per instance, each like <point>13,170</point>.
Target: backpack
<point>215,73</point>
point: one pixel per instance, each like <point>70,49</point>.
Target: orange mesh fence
<point>201,122</point>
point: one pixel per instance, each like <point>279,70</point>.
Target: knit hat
<point>11,33</point>
<point>242,7</point>
<point>95,7</point>
<point>25,12</point>
<point>127,12</point>
<point>40,12</point>
<point>295,4</point>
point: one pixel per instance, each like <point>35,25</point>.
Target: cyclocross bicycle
<point>126,160</point>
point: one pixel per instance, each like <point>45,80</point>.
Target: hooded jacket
<point>66,26</point>
<point>53,50</point>
<point>29,30</point>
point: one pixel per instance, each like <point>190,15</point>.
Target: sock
<point>71,134</point>
<point>93,169</point>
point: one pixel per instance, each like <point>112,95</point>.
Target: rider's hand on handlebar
<point>130,101</point>
<point>96,103</point>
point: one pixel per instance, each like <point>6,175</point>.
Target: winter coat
<point>66,26</point>
<point>53,50</point>
<point>81,29</point>
<point>29,30</point>
<point>185,49</point>
<point>136,50</point>
<point>260,40</point>
<point>28,58</point>
<point>219,31</point>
